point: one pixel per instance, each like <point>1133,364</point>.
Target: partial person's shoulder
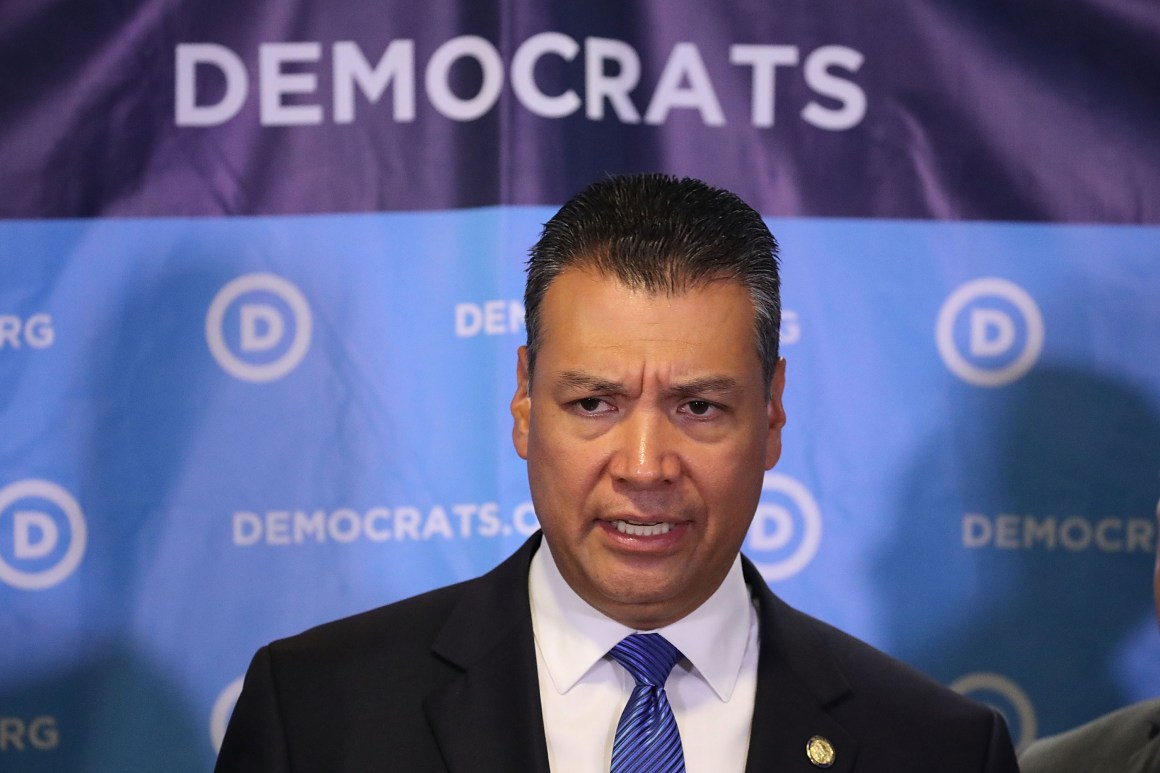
<point>1104,743</point>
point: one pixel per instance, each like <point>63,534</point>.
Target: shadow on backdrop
<point>114,710</point>
<point>1042,597</point>
<point>116,707</point>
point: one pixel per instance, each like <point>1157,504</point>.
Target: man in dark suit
<point>631,634</point>
<point>1124,741</point>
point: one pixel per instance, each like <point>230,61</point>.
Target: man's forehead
<point>602,327</point>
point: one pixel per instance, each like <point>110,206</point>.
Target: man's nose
<point>646,453</point>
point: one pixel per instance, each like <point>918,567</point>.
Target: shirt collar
<point>573,636</point>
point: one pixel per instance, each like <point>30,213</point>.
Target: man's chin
<point>640,599</point>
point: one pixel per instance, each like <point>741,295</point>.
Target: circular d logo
<point>42,534</point>
<point>1005,696</point>
<point>989,332</point>
<point>223,707</point>
<point>258,327</point>
<point>786,530</point>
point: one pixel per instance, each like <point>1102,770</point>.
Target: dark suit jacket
<point>447,681</point>
<point>1125,741</point>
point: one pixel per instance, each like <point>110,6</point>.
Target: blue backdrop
<point>260,281</point>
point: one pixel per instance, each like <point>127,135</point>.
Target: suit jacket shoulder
<point>441,681</point>
<point>879,714</point>
<point>1126,741</point>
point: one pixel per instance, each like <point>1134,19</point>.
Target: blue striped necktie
<point>647,739</point>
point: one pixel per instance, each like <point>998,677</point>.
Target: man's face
<point>647,434</point>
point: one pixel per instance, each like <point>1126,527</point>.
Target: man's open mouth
<point>642,529</point>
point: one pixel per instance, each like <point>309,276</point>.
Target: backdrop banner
<point>261,272</point>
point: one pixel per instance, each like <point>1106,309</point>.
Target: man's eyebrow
<point>708,385</point>
<point>585,382</point>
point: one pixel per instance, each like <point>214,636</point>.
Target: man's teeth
<point>642,529</point>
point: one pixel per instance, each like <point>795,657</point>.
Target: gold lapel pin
<point>820,751</point>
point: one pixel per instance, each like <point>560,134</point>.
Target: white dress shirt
<point>583,692</point>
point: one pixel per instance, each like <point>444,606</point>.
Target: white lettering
<point>1104,540</point>
<point>340,532</point>
<point>439,68</point>
<point>189,56</point>
<point>1007,532</point>
<point>464,512</point>
<point>374,533</point>
<point>494,322</point>
<point>848,93</point>
<point>992,332</point>
<point>774,528</point>
<point>525,520</point>
<point>11,733</point>
<point>685,66</point>
<point>287,81</point>
<point>976,530</point>
<point>407,523</point>
<point>312,525</point>
<point>275,83</point>
<point>345,525</point>
<point>524,75</point>
<point>495,317</point>
<point>247,528</point>
<point>262,327</point>
<point>1035,531</point>
<point>278,527</point>
<point>1141,536</point>
<point>437,523</point>
<point>598,85</point>
<point>9,331</point>
<point>489,525</point>
<point>468,319</point>
<point>38,332</point>
<point>765,61</point>
<point>1074,534</point>
<point>41,733</point>
<point>791,329</point>
<point>516,314</point>
<point>397,65</point>
<point>28,523</point>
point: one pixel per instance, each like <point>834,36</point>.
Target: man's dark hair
<point>663,235</point>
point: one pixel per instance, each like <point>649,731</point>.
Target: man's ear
<point>522,405</point>
<point>776,414</point>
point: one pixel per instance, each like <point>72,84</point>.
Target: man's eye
<point>699,407</point>
<point>590,404</point>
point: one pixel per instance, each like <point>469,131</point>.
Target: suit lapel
<point>489,717</point>
<point>797,681</point>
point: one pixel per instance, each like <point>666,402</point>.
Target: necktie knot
<point>649,657</point>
